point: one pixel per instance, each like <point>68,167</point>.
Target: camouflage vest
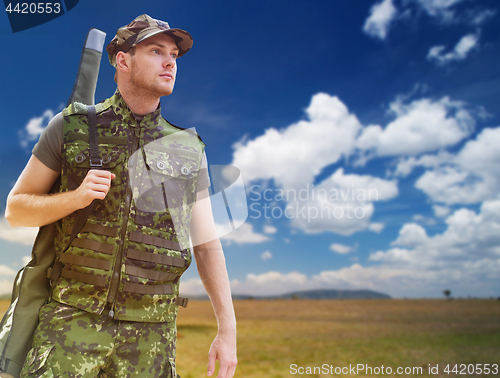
<point>135,245</point>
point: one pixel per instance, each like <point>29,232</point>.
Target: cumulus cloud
<point>294,156</point>
<point>266,255</point>
<point>466,44</point>
<point>34,128</point>
<point>376,227</point>
<point>244,235</point>
<point>421,126</point>
<point>470,176</point>
<point>6,279</point>
<point>470,237</point>
<point>341,248</point>
<point>440,9</point>
<point>441,211</point>
<point>381,15</point>
<point>304,148</point>
<point>22,235</point>
<point>343,203</point>
<point>465,258</point>
<point>270,229</point>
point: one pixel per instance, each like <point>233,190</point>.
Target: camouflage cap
<point>144,27</point>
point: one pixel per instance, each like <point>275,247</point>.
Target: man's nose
<point>169,61</point>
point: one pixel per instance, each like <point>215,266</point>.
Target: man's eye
<point>156,51</point>
<point>173,55</point>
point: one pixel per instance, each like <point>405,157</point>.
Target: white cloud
<point>342,203</point>
<point>341,248</point>
<point>22,235</point>
<point>465,258</point>
<point>469,238</point>
<point>381,16</point>
<point>266,255</point>
<point>470,176</point>
<point>270,229</point>
<point>440,9</point>
<point>295,155</point>
<point>271,283</point>
<point>479,17</point>
<point>35,127</point>
<point>441,211</point>
<point>244,235</point>
<point>304,148</point>
<point>411,235</point>
<point>429,221</point>
<point>193,287</point>
<point>462,49</point>
<point>376,227</point>
<point>421,126</point>
<point>6,279</point>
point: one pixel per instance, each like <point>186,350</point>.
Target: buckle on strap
<point>179,301</point>
<point>95,162</point>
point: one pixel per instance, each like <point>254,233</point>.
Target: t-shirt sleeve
<point>203,178</point>
<point>49,147</point>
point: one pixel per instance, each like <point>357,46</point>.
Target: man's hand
<point>29,205</point>
<point>95,186</point>
<point>223,348</point>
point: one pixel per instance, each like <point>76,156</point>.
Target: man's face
<point>153,66</point>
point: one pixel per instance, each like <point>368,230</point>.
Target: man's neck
<point>138,103</point>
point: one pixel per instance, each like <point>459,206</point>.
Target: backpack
<point>31,287</point>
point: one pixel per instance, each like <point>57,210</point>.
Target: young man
<point>114,297</point>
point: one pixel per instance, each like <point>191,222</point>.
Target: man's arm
<point>213,273</point>
<point>29,205</point>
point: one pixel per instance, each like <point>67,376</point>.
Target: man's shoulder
<point>191,131</point>
<point>77,108</point>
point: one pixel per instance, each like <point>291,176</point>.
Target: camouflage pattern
<point>73,343</point>
<point>144,27</point>
<point>135,264</point>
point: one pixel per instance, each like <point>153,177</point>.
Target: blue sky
<point>388,109</point>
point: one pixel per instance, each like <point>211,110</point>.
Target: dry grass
<point>272,335</point>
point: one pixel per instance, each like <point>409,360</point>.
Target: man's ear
<point>123,61</point>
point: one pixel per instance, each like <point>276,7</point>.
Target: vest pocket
<point>76,166</point>
<point>164,186</point>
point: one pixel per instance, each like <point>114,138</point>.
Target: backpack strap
<point>95,163</point>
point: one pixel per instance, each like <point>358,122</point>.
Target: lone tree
<point>447,293</point>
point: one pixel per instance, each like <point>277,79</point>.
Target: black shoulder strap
<point>95,163</point>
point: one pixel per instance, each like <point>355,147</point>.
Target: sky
<point>366,133</point>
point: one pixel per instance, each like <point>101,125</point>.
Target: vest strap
<point>97,229</point>
<point>179,301</point>
<point>150,274</point>
<point>88,262</point>
<point>84,277</point>
<point>156,258</point>
<point>148,289</point>
<point>139,237</point>
<point>94,245</point>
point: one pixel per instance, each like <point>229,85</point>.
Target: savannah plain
<point>277,338</point>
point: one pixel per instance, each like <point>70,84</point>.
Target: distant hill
<point>322,294</point>
<point>308,294</point>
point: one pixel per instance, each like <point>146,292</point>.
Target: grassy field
<point>273,335</point>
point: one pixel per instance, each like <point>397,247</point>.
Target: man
<point>114,294</point>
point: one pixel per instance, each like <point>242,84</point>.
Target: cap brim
<point>182,38</point>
